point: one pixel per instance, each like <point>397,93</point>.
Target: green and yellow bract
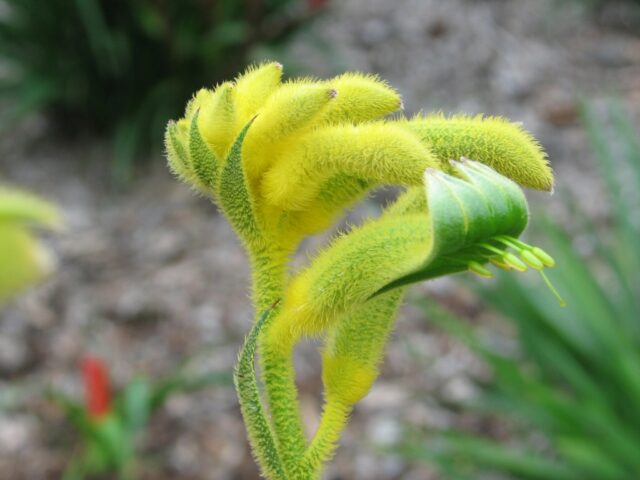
<point>283,161</point>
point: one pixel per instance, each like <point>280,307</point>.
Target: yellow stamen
<point>479,270</point>
<point>544,257</point>
<point>500,264</point>
<point>514,262</point>
<point>532,260</point>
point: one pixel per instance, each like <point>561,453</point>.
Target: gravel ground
<point>152,275</point>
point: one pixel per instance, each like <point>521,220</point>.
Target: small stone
<point>15,434</point>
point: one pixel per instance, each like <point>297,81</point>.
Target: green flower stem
<point>259,430</point>
<point>282,396</point>
<point>352,352</point>
<point>269,280</point>
<point>335,415</point>
<point>269,268</point>
<point>269,276</point>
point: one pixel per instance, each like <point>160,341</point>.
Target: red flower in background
<point>97,387</point>
<point>317,4</point>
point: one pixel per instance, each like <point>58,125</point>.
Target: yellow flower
<point>314,147</point>
<point>283,160</point>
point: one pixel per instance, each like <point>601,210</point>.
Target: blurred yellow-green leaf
<point>24,260</point>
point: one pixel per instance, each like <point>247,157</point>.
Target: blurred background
<point>148,305</point>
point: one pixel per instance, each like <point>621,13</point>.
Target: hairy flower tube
<point>23,259</point>
<point>283,160</point>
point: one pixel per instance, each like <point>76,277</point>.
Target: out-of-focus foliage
<point>600,3</point>
<point>23,259</point>
<point>109,429</point>
<point>576,376</point>
<point>122,68</point>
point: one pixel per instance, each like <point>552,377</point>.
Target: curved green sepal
<point>204,162</point>
<point>235,196</point>
<point>464,213</point>
<point>255,420</point>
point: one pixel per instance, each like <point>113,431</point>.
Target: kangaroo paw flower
<point>283,161</point>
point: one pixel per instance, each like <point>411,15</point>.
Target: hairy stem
<point>269,280</point>
<point>259,430</point>
<point>335,416</point>
<point>269,275</point>
<point>282,396</point>
<point>353,350</point>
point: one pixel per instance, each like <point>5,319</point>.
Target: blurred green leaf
<point>457,454</point>
<point>136,404</point>
<point>182,383</point>
<point>94,65</point>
